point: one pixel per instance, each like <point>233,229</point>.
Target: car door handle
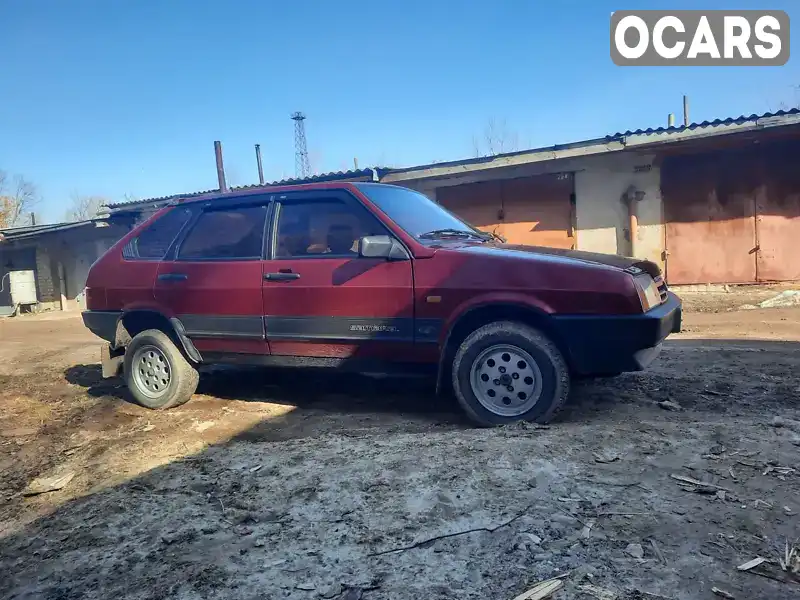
<point>173,277</point>
<point>281,276</point>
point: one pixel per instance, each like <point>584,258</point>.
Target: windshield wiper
<point>459,233</point>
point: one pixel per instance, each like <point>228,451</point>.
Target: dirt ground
<point>282,484</point>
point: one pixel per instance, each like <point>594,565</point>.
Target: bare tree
<point>83,207</point>
<point>496,139</point>
<point>17,197</point>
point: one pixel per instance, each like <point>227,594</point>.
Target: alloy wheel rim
<point>152,372</point>
<point>506,380</point>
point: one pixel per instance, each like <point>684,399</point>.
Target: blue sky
<point>114,98</point>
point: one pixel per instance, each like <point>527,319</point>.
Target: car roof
<point>257,190</point>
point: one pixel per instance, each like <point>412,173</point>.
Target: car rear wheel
<point>156,372</point>
<point>506,371</point>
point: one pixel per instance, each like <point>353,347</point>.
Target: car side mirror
<point>381,246</point>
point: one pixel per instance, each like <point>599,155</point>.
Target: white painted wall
<point>602,216</point>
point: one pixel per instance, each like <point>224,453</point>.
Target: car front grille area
<point>662,288</point>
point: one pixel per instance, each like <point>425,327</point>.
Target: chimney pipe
<point>260,166</point>
<point>671,120</point>
<point>223,187</point>
<point>685,111</point>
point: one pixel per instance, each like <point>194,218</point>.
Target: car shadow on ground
<point>322,390</point>
<point>321,401</point>
<point>326,399</point>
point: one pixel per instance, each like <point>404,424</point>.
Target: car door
<point>213,282</point>
<point>321,299</point>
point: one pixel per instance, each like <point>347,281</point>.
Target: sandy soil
<point>276,484</point>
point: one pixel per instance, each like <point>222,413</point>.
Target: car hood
<point>559,254</point>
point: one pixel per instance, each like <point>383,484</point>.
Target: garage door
<point>535,211</point>
<point>733,216</point>
<point>479,204</point>
<point>709,208</point>
<point>778,214</point>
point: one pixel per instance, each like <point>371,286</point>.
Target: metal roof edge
<point>9,235</point>
<point>711,130</point>
<point>612,143</point>
<point>137,205</point>
<point>586,148</point>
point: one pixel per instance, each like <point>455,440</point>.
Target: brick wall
<point>47,288</point>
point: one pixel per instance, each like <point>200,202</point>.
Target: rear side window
<point>232,234</point>
<point>155,240</point>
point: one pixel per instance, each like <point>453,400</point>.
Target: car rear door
<point>213,282</point>
<point>321,299</point>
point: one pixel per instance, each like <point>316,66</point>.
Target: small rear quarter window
<point>154,241</point>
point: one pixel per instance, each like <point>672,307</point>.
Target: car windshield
<point>417,214</point>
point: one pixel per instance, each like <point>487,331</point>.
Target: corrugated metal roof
<point>323,177</point>
<point>18,233</point>
<point>594,146</point>
<point>704,124</point>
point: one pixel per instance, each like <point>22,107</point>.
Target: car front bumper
<point>616,343</point>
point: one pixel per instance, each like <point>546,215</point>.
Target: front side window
<point>154,242</point>
<point>230,234</point>
<point>322,228</point>
<point>417,214</point>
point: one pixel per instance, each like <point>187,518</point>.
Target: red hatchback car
<point>367,276</point>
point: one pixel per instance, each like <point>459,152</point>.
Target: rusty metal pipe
<point>260,166</point>
<point>633,223</point>
<point>686,111</point>
<point>223,187</point>
<point>631,197</point>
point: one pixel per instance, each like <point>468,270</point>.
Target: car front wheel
<point>507,371</point>
<point>156,372</point>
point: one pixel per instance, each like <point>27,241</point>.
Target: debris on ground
<point>586,532</point>
<point>657,551</point>
<point>670,405</point>
<point>598,592</point>
<point>782,422</point>
<point>784,299</point>
<point>605,456</point>
<point>542,590</point>
<point>528,541</point>
<point>723,593</point>
<point>698,486</point>
<point>635,550</point>
<point>751,563</point>
<point>790,561</point>
<point>51,483</point>
<point>19,432</point>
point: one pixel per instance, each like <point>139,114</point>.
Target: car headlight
<point>648,291</point>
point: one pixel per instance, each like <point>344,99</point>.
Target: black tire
<point>555,379</point>
<point>183,377</point>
